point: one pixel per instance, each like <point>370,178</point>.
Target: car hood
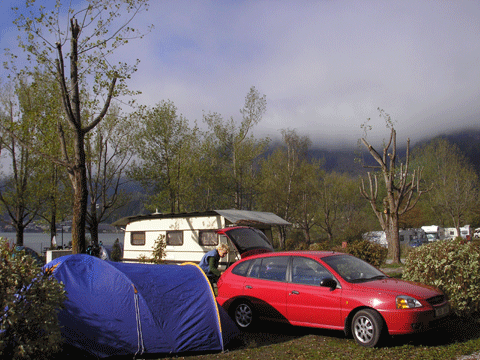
<point>400,287</point>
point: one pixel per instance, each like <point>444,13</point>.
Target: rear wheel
<point>243,315</point>
<point>367,327</point>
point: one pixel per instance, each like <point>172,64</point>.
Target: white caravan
<point>189,236</point>
<point>434,232</point>
<point>451,233</point>
<point>404,236</point>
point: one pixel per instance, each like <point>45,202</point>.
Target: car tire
<point>243,315</point>
<point>367,328</point>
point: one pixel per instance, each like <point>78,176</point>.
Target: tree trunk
<point>80,199</point>
<point>392,234</point>
<point>19,233</point>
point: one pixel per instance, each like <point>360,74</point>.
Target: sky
<point>324,66</point>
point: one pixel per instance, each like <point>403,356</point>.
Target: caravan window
<point>175,238</point>
<point>207,238</point>
<point>137,238</point>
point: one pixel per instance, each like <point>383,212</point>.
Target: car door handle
<point>294,292</point>
<point>248,286</point>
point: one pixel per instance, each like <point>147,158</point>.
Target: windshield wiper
<point>361,280</point>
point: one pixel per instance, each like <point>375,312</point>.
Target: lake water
<point>38,241</point>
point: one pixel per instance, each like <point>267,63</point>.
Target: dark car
<point>28,251</point>
<point>417,242</point>
<point>328,290</point>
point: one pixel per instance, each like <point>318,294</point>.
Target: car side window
<point>274,268</point>
<point>307,271</point>
<point>242,268</point>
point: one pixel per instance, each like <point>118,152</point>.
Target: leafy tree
<point>402,188</point>
<point>454,196</point>
<point>165,146</point>
<point>281,187</point>
<point>21,193</point>
<point>94,33</point>
<point>238,150</point>
<point>340,207</point>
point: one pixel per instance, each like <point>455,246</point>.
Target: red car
<point>328,290</point>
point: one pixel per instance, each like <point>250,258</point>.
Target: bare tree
<point>402,189</point>
<point>108,154</point>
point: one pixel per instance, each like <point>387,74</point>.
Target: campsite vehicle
<point>404,236</point>
<point>476,234</point>
<point>434,232</point>
<point>328,290</point>
<point>452,233</point>
<point>417,242</point>
<point>189,236</point>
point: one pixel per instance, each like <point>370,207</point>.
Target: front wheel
<point>367,327</point>
<point>243,315</point>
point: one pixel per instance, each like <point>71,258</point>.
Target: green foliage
<point>158,254</point>
<point>451,265</point>
<point>159,250</point>
<point>116,254</point>
<point>368,251</point>
<point>29,302</point>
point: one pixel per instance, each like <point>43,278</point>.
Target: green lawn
<point>271,341</point>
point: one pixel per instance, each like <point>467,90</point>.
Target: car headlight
<point>407,302</point>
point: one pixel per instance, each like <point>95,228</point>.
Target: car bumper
<point>415,320</point>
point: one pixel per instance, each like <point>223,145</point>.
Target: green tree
<point>402,188</point>
<point>340,207</point>
<point>166,148</point>
<point>238,151</point>
<point>93,33</point>
<point>21,193</point>
<point>454,182</point>
<point>282,179</point>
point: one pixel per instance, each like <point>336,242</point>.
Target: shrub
<point>451,265</point>
<point>159,250</point>
<point>29,301</point>
<point>368,251</point>
<point>116,254</point>
<point>158,253</point>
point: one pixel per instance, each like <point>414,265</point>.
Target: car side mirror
<point>330,283</point>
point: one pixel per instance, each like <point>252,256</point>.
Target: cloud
<point>325,66</point>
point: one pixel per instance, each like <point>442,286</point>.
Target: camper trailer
<point>452,233</point>
<point>434,232</point>
<point>189,236</point>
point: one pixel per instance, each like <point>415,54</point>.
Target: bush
<point>116,254</point>
<point>159,250</point>
<point>451,265</point>
<point>368,251</point>
<point>158,254</point>
<point>29,301</point>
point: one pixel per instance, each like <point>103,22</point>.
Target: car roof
<point>316,254</point>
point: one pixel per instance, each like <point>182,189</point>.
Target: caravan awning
<point>245,216</point>
<point>242,217</point>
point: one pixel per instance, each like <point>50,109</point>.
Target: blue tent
<point>120,308</point>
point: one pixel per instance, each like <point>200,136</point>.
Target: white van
<point>189,236</point>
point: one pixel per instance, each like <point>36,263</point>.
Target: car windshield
<point>353,269</point>
<point>246,239</point>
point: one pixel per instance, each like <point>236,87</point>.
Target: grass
<point>460,337</point>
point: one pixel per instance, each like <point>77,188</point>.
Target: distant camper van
<point>189,236</point>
